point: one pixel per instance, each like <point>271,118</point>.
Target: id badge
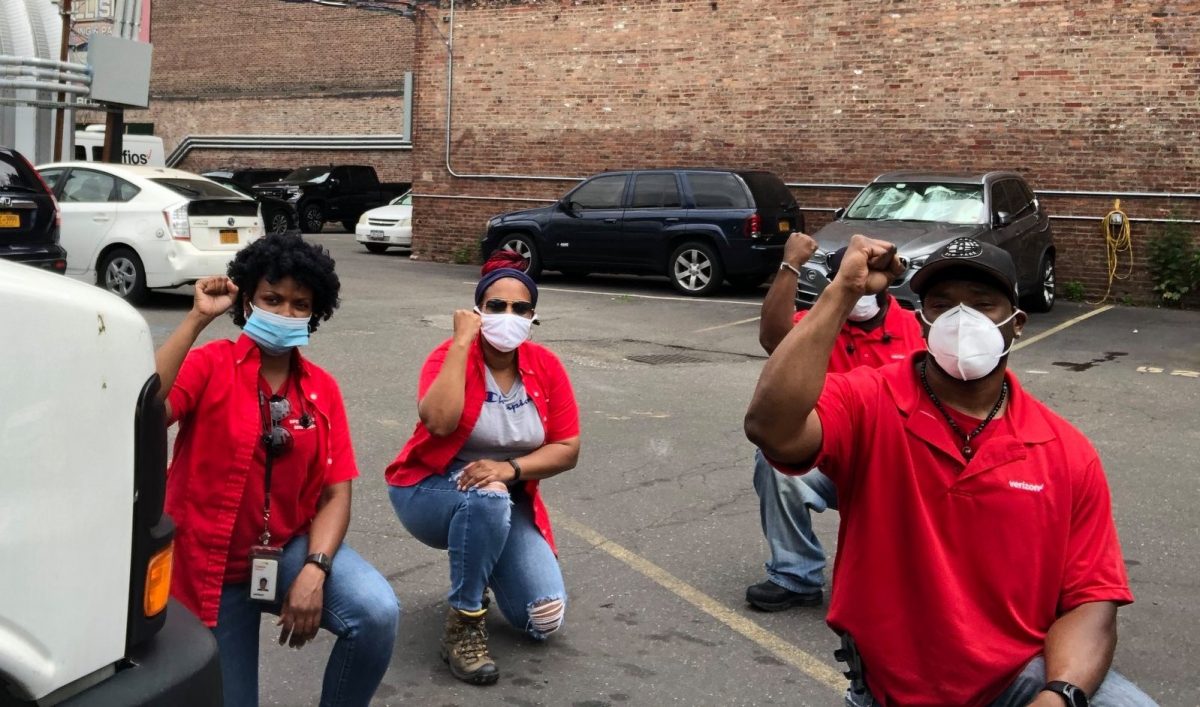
<point>264,573</point>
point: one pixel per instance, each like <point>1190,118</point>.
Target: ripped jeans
<point>492,542</point>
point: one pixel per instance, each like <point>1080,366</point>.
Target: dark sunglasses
<point>278,440</point>
<point>496,305</point>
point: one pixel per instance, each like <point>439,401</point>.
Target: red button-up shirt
<point>218,464</point>
<point>545,380</point>
<point>949,573</point>
<point>899,334</point>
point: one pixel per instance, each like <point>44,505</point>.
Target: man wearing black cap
<point>877,333</point>
<point>978,562</point>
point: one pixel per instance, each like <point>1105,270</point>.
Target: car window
<point>768,190</point>
<point>314,175</point>
<point>194,188</point>
<point>15,176</point>
<point>404,199</point>
<point>363,178</point>
<point>84,186</point>
<point>97,153</point>
<point>51,177</point>
<point>606,192</point>
<point>1019,194</point>
<point>656,191</point>
<point>920,201</point>
<point>1002,199</point>
<point>81,153</point>
<point>717,190</point>
<point>125,191</point>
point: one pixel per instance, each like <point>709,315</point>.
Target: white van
<point>85,618</point>
<point>142,150</point>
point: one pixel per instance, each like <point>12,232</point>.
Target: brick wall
<point>1095,96</point>
<point>268,67</point>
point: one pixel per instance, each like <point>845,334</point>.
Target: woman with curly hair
<point>497,417</point>
<point>259,486</point>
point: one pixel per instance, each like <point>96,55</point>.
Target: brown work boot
<point>464,648</point>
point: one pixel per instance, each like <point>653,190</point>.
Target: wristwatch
<point>1072,695</point>
<point>321,560</point>
<point>788,266</point>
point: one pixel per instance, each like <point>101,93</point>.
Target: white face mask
<point>865,308</point>
<point>505,331</point>
<point>965,343</point>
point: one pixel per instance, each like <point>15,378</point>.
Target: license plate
<point>229,236</point>
<point>10,220</point>
<point>376,236</point>
<point>784,226</point>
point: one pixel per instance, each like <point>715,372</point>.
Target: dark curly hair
<point>286,255</point>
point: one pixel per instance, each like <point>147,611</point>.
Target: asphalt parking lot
<point>658,526</point>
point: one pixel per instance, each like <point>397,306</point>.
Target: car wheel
<point>1042,298</point>
<point>349,225</point>
<point>749,283</point>
<point>121,273</point>
<point>376,247</point>
<point>695,269</point>
<point>279,222</point>
<point>522,245</point>
<point>313,219</point>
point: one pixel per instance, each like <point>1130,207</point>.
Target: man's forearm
<point>792,379</point>
<point>1080,645</point>
<point>778,311</point>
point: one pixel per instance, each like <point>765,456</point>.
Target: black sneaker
<point>769,596</point>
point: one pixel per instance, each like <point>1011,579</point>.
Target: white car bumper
<point>384,235</point>
<point>177,263</point>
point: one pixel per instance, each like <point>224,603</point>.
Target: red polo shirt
<point>215,481</point>
<point>948,573</point>
<point>899,334</point>
<point>546,382</point>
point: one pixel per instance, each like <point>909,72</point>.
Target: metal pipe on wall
<point>137,20</point>
<point>44,64</point>
<point>47,86</point>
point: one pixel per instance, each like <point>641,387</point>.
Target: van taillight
<point>750,228</point>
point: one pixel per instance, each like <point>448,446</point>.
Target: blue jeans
<point>360,609</point>
<point>491,541</point>
<point>785,504</point>
<point>1115,691</point>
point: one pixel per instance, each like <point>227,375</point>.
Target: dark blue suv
<point>699,227</point>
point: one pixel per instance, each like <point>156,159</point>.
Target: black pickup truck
<point>339,193</point>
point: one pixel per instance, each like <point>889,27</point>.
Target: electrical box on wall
<point>120,70</point>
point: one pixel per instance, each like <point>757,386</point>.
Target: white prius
<point>130,229</point>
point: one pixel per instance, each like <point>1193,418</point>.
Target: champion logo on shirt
<point>1026,486</point>
<point>493,397</point>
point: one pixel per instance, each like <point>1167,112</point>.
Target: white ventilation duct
<point>30,30</point>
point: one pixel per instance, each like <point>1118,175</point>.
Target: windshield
<point>922,201</point>
<point>313,175</point>
<point>404,199</point>
<point>195,188</point>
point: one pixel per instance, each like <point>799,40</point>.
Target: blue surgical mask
<point>274,333</point>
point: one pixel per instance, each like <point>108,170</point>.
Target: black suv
<point>339,193</point>
<point>699,227</point>
<point>28,216</point>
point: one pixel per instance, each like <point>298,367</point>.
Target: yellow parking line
<point>1054,330</point>
<point>808,664</point>
<point>723,326</point>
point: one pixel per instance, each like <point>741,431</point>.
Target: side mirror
<point>567,206</point>
<point>838,214</point>
<point>1003,218</point>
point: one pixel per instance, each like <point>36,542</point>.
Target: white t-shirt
<point>509,424</point>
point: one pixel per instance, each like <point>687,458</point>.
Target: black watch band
<point>321,560</point>
<point>516,470</point>
<point>1071,694</point>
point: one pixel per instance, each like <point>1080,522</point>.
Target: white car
<point>131,229</point>
<point>387,226</point>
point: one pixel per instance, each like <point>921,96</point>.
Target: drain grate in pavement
<point>665,359</point>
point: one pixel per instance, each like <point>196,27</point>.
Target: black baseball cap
<point>971,259</point>
<point>833,261</point>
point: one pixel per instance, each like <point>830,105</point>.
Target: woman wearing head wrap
<point>497,416</point>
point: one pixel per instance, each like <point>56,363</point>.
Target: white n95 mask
<point>965,343</point>
<point>505,331</point>
<point>865,308</point>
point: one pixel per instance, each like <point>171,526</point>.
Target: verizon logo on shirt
<point>1026,486</point>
